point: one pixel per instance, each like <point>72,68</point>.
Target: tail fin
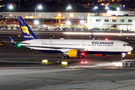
<point>12,41</point>
<point>25,29</point>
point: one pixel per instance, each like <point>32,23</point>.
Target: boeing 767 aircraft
<point>71,48</point>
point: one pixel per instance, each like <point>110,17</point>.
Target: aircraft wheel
<point>83,56</point>
<point>131,64</point>
<point>126,64</point>
<point>66,57</point>
<point>63,57</point>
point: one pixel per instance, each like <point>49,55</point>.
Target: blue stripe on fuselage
<point>51,51</point>
<point>100,52</point>
<point>87,52</point>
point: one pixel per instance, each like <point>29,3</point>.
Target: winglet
<point>12,41</point>
<point>26,30</point>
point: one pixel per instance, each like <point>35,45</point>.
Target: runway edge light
<point>118,64</point>
<point>129,52</point>
<point>45,61</point>
<point>64,63</point>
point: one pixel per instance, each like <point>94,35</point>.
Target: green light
<point>18,45</point>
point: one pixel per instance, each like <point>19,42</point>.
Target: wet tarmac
<point>22,69</point>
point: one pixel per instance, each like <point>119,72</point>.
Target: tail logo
<point>11,41</point>
<point>25,30</point>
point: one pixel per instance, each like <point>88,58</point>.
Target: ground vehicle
<point>126,63</point>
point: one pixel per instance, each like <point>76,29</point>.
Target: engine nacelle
<point>75,53</point>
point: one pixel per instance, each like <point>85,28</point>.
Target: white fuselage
<point>65,45</point>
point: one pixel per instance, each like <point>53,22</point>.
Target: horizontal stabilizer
<point>12,41</point>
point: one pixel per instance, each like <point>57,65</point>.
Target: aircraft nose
<point>130,48</point>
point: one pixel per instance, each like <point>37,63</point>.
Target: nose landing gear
<point>123,56</point>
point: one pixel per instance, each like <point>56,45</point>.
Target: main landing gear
<point>65,57</point>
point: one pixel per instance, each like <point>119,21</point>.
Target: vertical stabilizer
<point>93,37</point>
<point>25,29</point>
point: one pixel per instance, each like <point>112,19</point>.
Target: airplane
<point>71,47</point>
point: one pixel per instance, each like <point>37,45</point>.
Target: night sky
<point>60,5</point>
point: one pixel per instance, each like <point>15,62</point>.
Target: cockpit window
<point>125,44</point>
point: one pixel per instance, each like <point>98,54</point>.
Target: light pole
<point>69,7</point>
<point>95,8</point>
<point>10,7</point>
<point>39,7</point>
<point>35,12</point>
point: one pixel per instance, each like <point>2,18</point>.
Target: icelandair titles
<point>102,43</point>
<point>93,42</point>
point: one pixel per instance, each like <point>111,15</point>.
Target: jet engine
<point>74,53</point>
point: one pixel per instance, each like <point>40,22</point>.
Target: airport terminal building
<point>111,20</point>
<point>126,23</point>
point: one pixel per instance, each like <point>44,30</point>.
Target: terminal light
<point>106,8</point>
<point>81,21</point>
<point>36,22</point>
<point>28,16</point>
<point>88,14</point>
<point>59,15</point>
<point>11,15</point>
<point>40,15</point>
<point>118,8</point>
<point>71,15</point>
<point>113,17</point>
<point>68,22</point>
